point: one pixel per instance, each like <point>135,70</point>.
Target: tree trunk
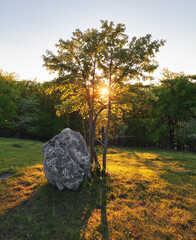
<point>90,136</point>
<point>93,138</point>
<point>106,135</point>
<point>92,125</point>
<point>93,144</point>
<point>83,128</point>
<point>103,135</point>
<point>109,116</point>
<point>171,138</point>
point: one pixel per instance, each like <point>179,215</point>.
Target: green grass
<point>146,194</point>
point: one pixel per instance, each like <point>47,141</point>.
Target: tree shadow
<point>98,201</point>
<point>51,214</point>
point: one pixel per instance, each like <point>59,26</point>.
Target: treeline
<point>161,115</point>
<point>164,115</point>
<point>27,111</point>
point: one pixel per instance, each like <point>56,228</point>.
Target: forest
<point>158,115</point>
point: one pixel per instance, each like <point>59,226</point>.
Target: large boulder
<point>66,160</point>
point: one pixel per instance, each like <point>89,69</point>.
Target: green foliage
<point>92,59</point>
<point>76,64</point>
<point>138,117</point>
<point>9,95</point>
<point>173,103</point>
<point>28,114</point>
<point>124,60</point>
<point>187,132</point>
<point>48,124</point>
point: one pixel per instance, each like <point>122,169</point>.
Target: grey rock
<point>66,160</point>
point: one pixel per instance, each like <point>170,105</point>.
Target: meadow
<point>145,194</point>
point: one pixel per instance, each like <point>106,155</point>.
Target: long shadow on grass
<point>97,202</point>
<point>52,214</point>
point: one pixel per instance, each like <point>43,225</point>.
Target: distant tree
<point>174,102</point>
<point>27,111</point>
<point>28,87</point>
<point>138,117</point>
<point>187,133</point>
<point>48,123</point>
<point>9,96</point>
<point>96,58</point>
<point>28,114</point>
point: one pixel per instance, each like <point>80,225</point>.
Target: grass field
<point>146,194</point>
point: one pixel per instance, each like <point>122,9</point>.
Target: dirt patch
<point>5,175</point>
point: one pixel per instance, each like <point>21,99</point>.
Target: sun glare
<point>104,91</point>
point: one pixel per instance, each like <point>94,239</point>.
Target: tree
<point>174,102</point>
<point>76,63</point>
<point>96,58</point>
<point>28,114</point>
<point>9,96</point>
<point>138,117</point>
<point>48,123</point>
<point>187,133</point>
<point>121,61</point>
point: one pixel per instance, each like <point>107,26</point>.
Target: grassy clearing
<point>147,194</point>
<point>22,159</point>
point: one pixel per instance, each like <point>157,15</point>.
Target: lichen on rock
<point>66,160</point>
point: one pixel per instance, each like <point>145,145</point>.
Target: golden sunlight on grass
<point>93,224</point>
<point>20,186</point>
<point>142,203</point>
<point>146,194</point>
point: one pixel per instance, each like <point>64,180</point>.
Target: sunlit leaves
<point>95,58</point>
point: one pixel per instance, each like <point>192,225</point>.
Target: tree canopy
<point>95,58</point>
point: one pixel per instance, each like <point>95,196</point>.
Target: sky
<point>29,27</point>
